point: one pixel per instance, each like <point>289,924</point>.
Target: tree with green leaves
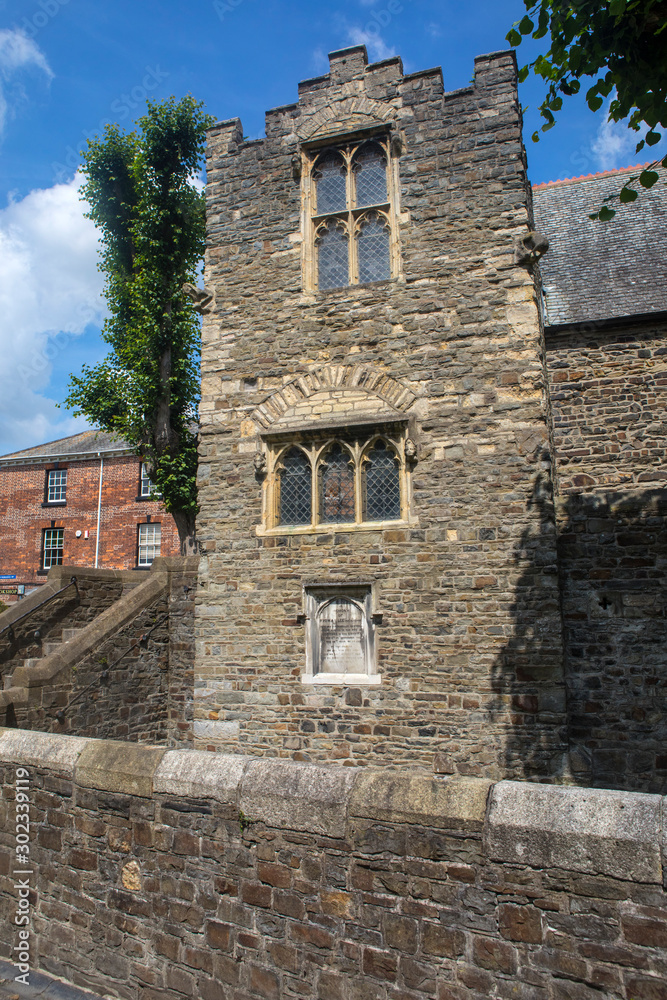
<point>151,216</point>
<point>621,45</point>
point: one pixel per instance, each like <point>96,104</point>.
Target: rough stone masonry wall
<point>75,607</point>
<point>470,646</point>
<point>128,675</point>
<point>608,389</point>
<point>165,874</point>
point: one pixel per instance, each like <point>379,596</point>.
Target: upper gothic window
<point>351,214</point>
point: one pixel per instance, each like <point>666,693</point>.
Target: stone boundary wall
<point>177,873</point>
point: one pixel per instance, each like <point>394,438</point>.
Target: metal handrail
<point>10,628</point>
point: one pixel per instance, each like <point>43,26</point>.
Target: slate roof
<point>87,443</point>
<point>602,270</point>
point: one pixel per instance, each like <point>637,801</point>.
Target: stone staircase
<point>48,647</point>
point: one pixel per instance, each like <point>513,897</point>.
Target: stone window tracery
<point>351,479</point>
<point>350,215</point>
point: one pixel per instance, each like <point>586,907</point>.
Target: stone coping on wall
<point>588,830</point>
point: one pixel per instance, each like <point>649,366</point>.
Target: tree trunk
<point>187,533</point>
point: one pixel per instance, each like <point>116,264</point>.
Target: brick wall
<point>164,875</point>
<point>469,646</point>
<point>23,516</point>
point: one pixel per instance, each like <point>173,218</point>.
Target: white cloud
<point>17,52</point>
<point>319,60</point>
<point>50,291</point>
<point>614,145</point>
<point>373,40</point>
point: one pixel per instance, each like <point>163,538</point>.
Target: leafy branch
<point>620,44</point>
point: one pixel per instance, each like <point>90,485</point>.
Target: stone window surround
<point>317,595</point>
<point>351,217</point>
<point>315,440</point>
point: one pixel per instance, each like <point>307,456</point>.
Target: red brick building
<point>83,500</point>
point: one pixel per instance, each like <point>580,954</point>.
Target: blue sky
<point>69,66</point>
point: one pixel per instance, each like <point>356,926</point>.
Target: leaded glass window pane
<point>331,186</point>
<point>332,257</point>
<point>381,486</point>
<point>337,487</point>
<point>295,488</point>
<point>371,177</point>
<point>373,250</point>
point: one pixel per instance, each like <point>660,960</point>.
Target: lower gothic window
<point>351,480</point>
<point>336,470</point>
<point>294,485</point>
<point>381,485</point>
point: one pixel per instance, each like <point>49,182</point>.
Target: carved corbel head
<point>396,144</point>
<point>530,248</point>
<point>203,299</point>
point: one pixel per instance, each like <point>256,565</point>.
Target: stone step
<point>70,633</point>
<point>50,647</point>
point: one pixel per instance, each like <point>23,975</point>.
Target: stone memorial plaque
<point>341,629</point>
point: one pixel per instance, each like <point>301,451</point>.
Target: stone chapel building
<point>390,573</point>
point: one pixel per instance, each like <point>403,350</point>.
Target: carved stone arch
<point>351,382</point>
<point>343,117</point>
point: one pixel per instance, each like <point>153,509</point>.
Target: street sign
<point>7,576</point>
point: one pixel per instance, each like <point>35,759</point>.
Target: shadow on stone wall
<point>612,564</point>
<point>527,676</point>
<point>613,557</point>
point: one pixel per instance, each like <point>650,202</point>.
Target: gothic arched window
<point>331,184</point>
<point>358,478</point>
<point>370,176</point>
<point>295,489</point>
<point>373,248</point>
<point>332,256</point>
<point>346,243</point>
<point>381,484</point>
<point>337,486</point>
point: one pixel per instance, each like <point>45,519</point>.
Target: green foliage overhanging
<point>139,187</point>
<point>620,43</point>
